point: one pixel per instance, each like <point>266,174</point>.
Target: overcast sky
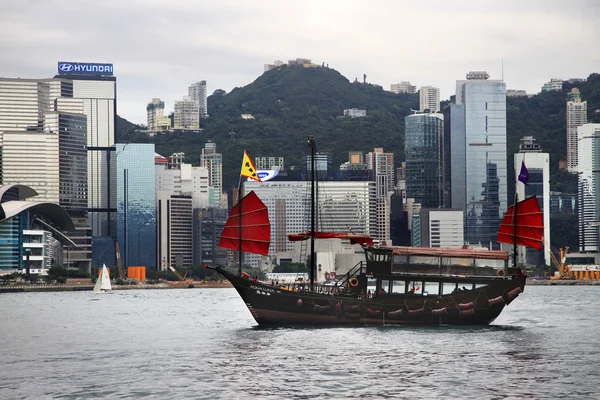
<point>159,47</point>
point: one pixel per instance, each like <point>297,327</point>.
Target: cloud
<point>159,48</point>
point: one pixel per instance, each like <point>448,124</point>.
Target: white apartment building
<point>185,180</point>
<point>438,228</point>
<point>175,230</point>
<point>355,113</point>
<point>588,198</point>
<point>576,116</point>
<point>429,98</point>
<point>403,87</point>
<point>553,85</point>
<point>276,64</point>
<point>382,166</point>
<point>155,116</point>
<point>343,207</point>
<point>269,163</point>
<point>198,93</point>
<point>213,162</point>
<point>187,114</point>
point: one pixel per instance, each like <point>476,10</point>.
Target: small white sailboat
<point>103,282</point>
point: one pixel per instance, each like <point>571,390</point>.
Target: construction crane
<point>563,271</point>
<point>119,264</point>
<point>181,278</point>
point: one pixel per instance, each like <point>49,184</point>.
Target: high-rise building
<point>381,167</point>
<point>43,141</point>
<point>136,204</point>
<point>186,114</point>
<point>268,163</point>
<point>323,166</point>
<point>213,162</point>
<point>429,99</point>
<point>423,152</point>
<point>589,187</point>
<point>478,156</point>
<point>403,87</point>
<point>208,227</point>
<point>342,206</point>
<point>553,85</point>
<point>438,228</point>
<point>198,92</point>
<point>96,87</point>
<point>184,179</point>
<point>175,224</point>
<point>156,118</point>
<point>576,116</point>
<point>538,166</point>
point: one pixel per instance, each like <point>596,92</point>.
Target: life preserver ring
<point>500,273</point>
<point>353,282</point>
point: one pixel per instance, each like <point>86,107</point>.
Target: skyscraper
<point>423,152</point>
<point>576,116</point>
<point>96,87</point>
<point>43,142</point>
<point>589,187</point>
<point>136,204</point>
<point>478,156</point>
<point>538,166</point>
<point>429,97</point>
<point>381,167</point>
<point>213,161</point>
<point>197,92</point>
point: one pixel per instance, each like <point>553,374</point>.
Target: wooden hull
<point>270,305</point>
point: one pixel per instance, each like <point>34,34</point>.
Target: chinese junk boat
<point>395,285</point>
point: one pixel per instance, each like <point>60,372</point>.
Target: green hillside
<point>290,103</point>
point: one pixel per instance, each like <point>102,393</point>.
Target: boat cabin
<point>413,271</point>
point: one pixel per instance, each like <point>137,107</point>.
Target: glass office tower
<point>478,156</point>
<point>136,204</point>
<point>423,153</point>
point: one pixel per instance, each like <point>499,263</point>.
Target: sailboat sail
<point>354,238</point>
<point>98,283</point>
<point>105,279</point>
<point>530,225</point>
<point>256,228</point>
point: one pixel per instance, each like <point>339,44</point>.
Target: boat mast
<point>240,188</point>
<point>515,229</point>
<point>311,144</point>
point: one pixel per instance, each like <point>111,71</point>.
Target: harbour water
<point>203,344</point>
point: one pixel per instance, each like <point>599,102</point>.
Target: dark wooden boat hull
<point>271,305</point>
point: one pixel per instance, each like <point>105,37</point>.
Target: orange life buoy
<point>353,282</point>
<point>500,273</point>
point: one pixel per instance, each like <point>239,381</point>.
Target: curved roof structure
<point>23,192</point>
<point>52,211</point>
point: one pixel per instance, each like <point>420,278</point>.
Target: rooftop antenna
<point>503,70</point>
<point>365,79</point>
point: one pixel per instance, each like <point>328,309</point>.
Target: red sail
<point>354,239</point>
<point>256,229</point>
<point>530,224</point>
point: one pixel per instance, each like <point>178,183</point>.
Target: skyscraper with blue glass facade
<point>423,152</point>
<point>478,156</point>
<point>136,204</point>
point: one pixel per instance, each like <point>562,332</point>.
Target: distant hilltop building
<point>403,87</point>
<point>276,64</point>
<point>198,92</point>
<point>429,99</point>
<point>355,113</point>
<point>187,114</point>
<point>516,93</point>
<point>157,121</point>
<point>553,85</point>
<point>302,62</point>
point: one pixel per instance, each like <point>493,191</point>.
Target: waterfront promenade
<point>82,287</point>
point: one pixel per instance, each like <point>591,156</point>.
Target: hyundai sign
<point>77,68</point>
<point>266,175</point>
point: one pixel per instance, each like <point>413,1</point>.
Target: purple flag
<point>524,174</point>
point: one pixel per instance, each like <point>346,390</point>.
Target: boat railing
<point>354,271</point>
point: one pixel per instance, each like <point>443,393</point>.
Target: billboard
<point>266,175</point>
<point>78,68</point>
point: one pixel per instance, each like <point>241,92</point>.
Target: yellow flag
<point>248,169</point>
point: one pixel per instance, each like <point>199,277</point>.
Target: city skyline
<point>234,41</point>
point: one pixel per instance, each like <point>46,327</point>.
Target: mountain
<point>290,103</point>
